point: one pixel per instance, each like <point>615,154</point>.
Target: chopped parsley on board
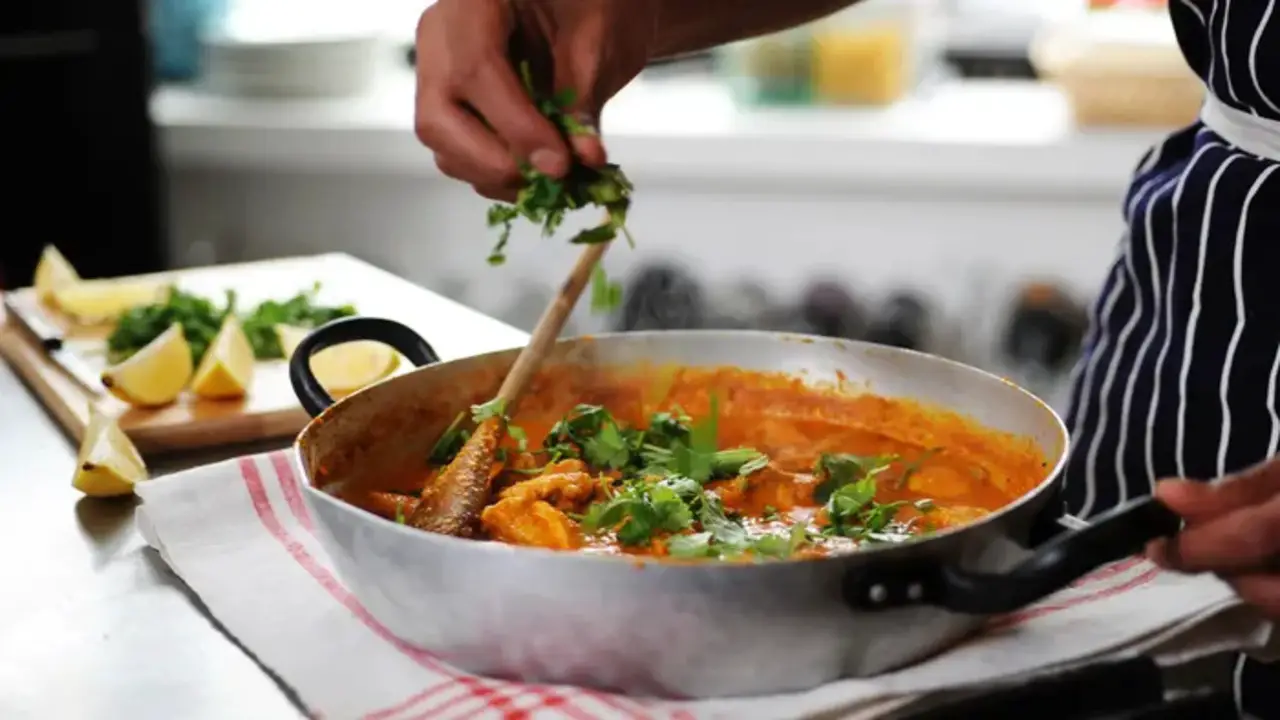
<point>201,319</point>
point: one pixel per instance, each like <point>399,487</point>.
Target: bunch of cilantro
<point>545,201</point>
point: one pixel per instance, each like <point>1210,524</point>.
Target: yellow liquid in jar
<point>864,66</point>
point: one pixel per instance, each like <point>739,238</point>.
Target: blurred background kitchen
<point>937,174</point>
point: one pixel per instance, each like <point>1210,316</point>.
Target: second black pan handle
<point>1113,536</point>
<point>311,394</point>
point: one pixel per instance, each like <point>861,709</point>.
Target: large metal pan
<point>690,630</point>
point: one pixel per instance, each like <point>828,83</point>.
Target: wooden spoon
<point>452,503</point>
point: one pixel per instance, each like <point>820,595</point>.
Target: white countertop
<point>991,136</point>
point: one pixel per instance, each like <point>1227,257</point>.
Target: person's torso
<point>1181,373</point>
<point>1234,46</point>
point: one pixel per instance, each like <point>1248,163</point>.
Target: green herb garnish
<point>545,201</point>
<point>914,466</point>
<point>853,512</point>
<point>300,310</point>
<point>638,511</point>
<point>488,410</point>
<point>201,319</point>
<point>606,294</point>
<point>450,442</point>
<point>835,470</point>
<point>694,520</point>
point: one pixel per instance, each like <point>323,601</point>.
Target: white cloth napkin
<point>237,533</point>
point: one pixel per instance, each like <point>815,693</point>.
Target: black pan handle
<point>315,398</point>
<point>1113,536</point>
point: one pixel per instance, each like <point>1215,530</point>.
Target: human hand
<point>1232,529</point>
<point>472,109</point>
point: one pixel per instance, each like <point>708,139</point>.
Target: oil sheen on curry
<point>725,465</point>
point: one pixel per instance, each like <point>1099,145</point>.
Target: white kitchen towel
<point>238,534</point>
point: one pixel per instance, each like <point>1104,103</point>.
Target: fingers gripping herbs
<point>546,201</point>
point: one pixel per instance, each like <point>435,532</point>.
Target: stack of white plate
<point>286,48</point>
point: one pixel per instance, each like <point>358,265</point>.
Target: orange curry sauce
<point>961,469</point>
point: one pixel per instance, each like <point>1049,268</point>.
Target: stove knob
<point>901,322</point>
<point>1045,329</point>
<point>737,306</point>
<point>831,310</point>
<point>662,297</point>
<point>787,319</point>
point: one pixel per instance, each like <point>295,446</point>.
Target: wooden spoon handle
<point>549,327</point>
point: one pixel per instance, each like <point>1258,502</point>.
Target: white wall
<point>967,251</point>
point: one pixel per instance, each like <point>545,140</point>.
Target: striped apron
<point>1179,373</point>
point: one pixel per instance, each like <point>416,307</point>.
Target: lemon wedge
<point>344,368</point>
<point>52,272</point>
<point>95,301</point>
<point>108,464</point>
<point>226,370</point>
<point>156,374</point>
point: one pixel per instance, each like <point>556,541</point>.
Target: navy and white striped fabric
<point>1180,370</point>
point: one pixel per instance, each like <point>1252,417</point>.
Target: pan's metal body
<point>648,628</point>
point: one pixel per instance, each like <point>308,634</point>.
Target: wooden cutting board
<point>270,409</point>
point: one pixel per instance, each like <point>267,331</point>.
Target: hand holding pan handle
<point>1113,536</point>
<point>315,398</point>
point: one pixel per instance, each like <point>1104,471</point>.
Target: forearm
<point>686,26</point>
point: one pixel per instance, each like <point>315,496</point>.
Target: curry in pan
<point>723,464</point>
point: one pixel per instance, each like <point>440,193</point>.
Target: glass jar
<point>175,27</point>
<point>771,70</point>
<point>872,53</point>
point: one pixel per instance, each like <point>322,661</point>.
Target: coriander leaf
<point>737,461</point>
<point>685,461</point>
<point>450,441</point>
<point>837,470</point>
<point>607,448</point>
<point>595,235</point>
<point>848,500</point>
<point>300,311</point>
<point>703,437</point>
<point>517,433</point>
<point>853,512</point>
<point>638,512</point>
<point>913,467</point>
<point>199,317</point>
<point>605,514</point>
<point>606,295</point>
<point>589,432</point>
<point>673,513</point>
<point>494,408</point>
<point>781,546</point>
<point>400,511</point>
<point>687,489</point>
<point>682,460</point>
<point>545,201</point>
<point>697,545</point>
<point>666,429</point>
<point>714,520</point>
